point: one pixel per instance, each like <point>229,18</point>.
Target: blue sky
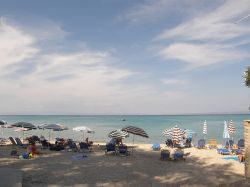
<point>124,57</point>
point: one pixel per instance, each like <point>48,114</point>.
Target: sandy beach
<point>142,168</point>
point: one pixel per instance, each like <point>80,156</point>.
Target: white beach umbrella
<point>83,129</point>
<point>225,131</point>
<point>21,129</point>
<point>3,125</point>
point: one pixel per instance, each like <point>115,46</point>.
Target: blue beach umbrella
<point>225,132</point>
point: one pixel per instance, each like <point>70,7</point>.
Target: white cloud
<point>216,25</point>
<point>15,45</point>
<point>198,55</point>
<point>209,39</point>
<point>146,11</point>
<point>174,81</point>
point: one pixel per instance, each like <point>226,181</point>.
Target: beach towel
<point>231,158</point>
<point>79,157</point>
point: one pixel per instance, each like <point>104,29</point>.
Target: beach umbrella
<point>225,131</point>
<point>118,134</point>
<point>2,122</point>
<point>3,125</point>
<point>205,129</point>
<point>135,131</point>
<point>21,129</point>
<point>189,133</point>
<point>24,125</point>
<point>83,129</point>
<point>175,133</point>
<point>231,129</point>
<point>54,127</point>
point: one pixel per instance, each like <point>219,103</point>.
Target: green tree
<point>247,77</point>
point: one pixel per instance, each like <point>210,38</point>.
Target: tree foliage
<point>247,76</point>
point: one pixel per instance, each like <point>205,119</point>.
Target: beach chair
<point>156,147</point>
<point>110,147</point>
<point>201,144</point>
<point>169,143</point>
<point>20,144</point>
<point>85,147</point>
<point>165,155</point>
<point>123,150</point>
<point>179,155</point>
<point>72,146</point>
<point>223,151</point>
<point>212,144</point>
<point>231,143</point>
<point>241,144</point>
<point>13,142</point>
<point>45,144</point>
<point>188,142</point>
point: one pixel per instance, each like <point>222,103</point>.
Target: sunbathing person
<point>90,143</point>
<point>33,149</point>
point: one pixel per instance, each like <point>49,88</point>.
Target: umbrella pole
<point>133,143</point>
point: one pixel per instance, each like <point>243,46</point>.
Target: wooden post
<point>247,148</point>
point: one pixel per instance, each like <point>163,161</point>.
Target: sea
<point>154,125</point>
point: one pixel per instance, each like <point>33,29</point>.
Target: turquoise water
<point>153,125</point>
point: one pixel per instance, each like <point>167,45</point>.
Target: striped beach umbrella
<point>175,133</point>
<point>231,128</point>
<point>135,131</point>
<point>118,134</point>
<point>205,128</point>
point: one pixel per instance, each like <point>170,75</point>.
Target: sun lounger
<point>72,145</point>
<point>237,151</point>
<point>223,151</point>
<point>212,144</point>
<point>123,150</point>
<point>179,155</point>
<point>188,142</point>
<point>156,147</point>
<point>201,144</point>
<point>84,146</point>
<point>231,143</point>
<point>110,147</point>
<point>165,155</point>
<point>45,144</point>
<point>13,142</point>
<point>241,144</point>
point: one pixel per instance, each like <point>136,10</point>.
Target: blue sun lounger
<point>223,151</point>
<point>156,147</point>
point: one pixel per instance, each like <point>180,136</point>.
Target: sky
<point>124,57</point>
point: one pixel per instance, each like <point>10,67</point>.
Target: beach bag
<point>26,155</point>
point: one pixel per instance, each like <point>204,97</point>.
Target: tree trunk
<point>247,148</point>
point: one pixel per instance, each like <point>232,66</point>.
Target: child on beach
<point>33,149</point>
